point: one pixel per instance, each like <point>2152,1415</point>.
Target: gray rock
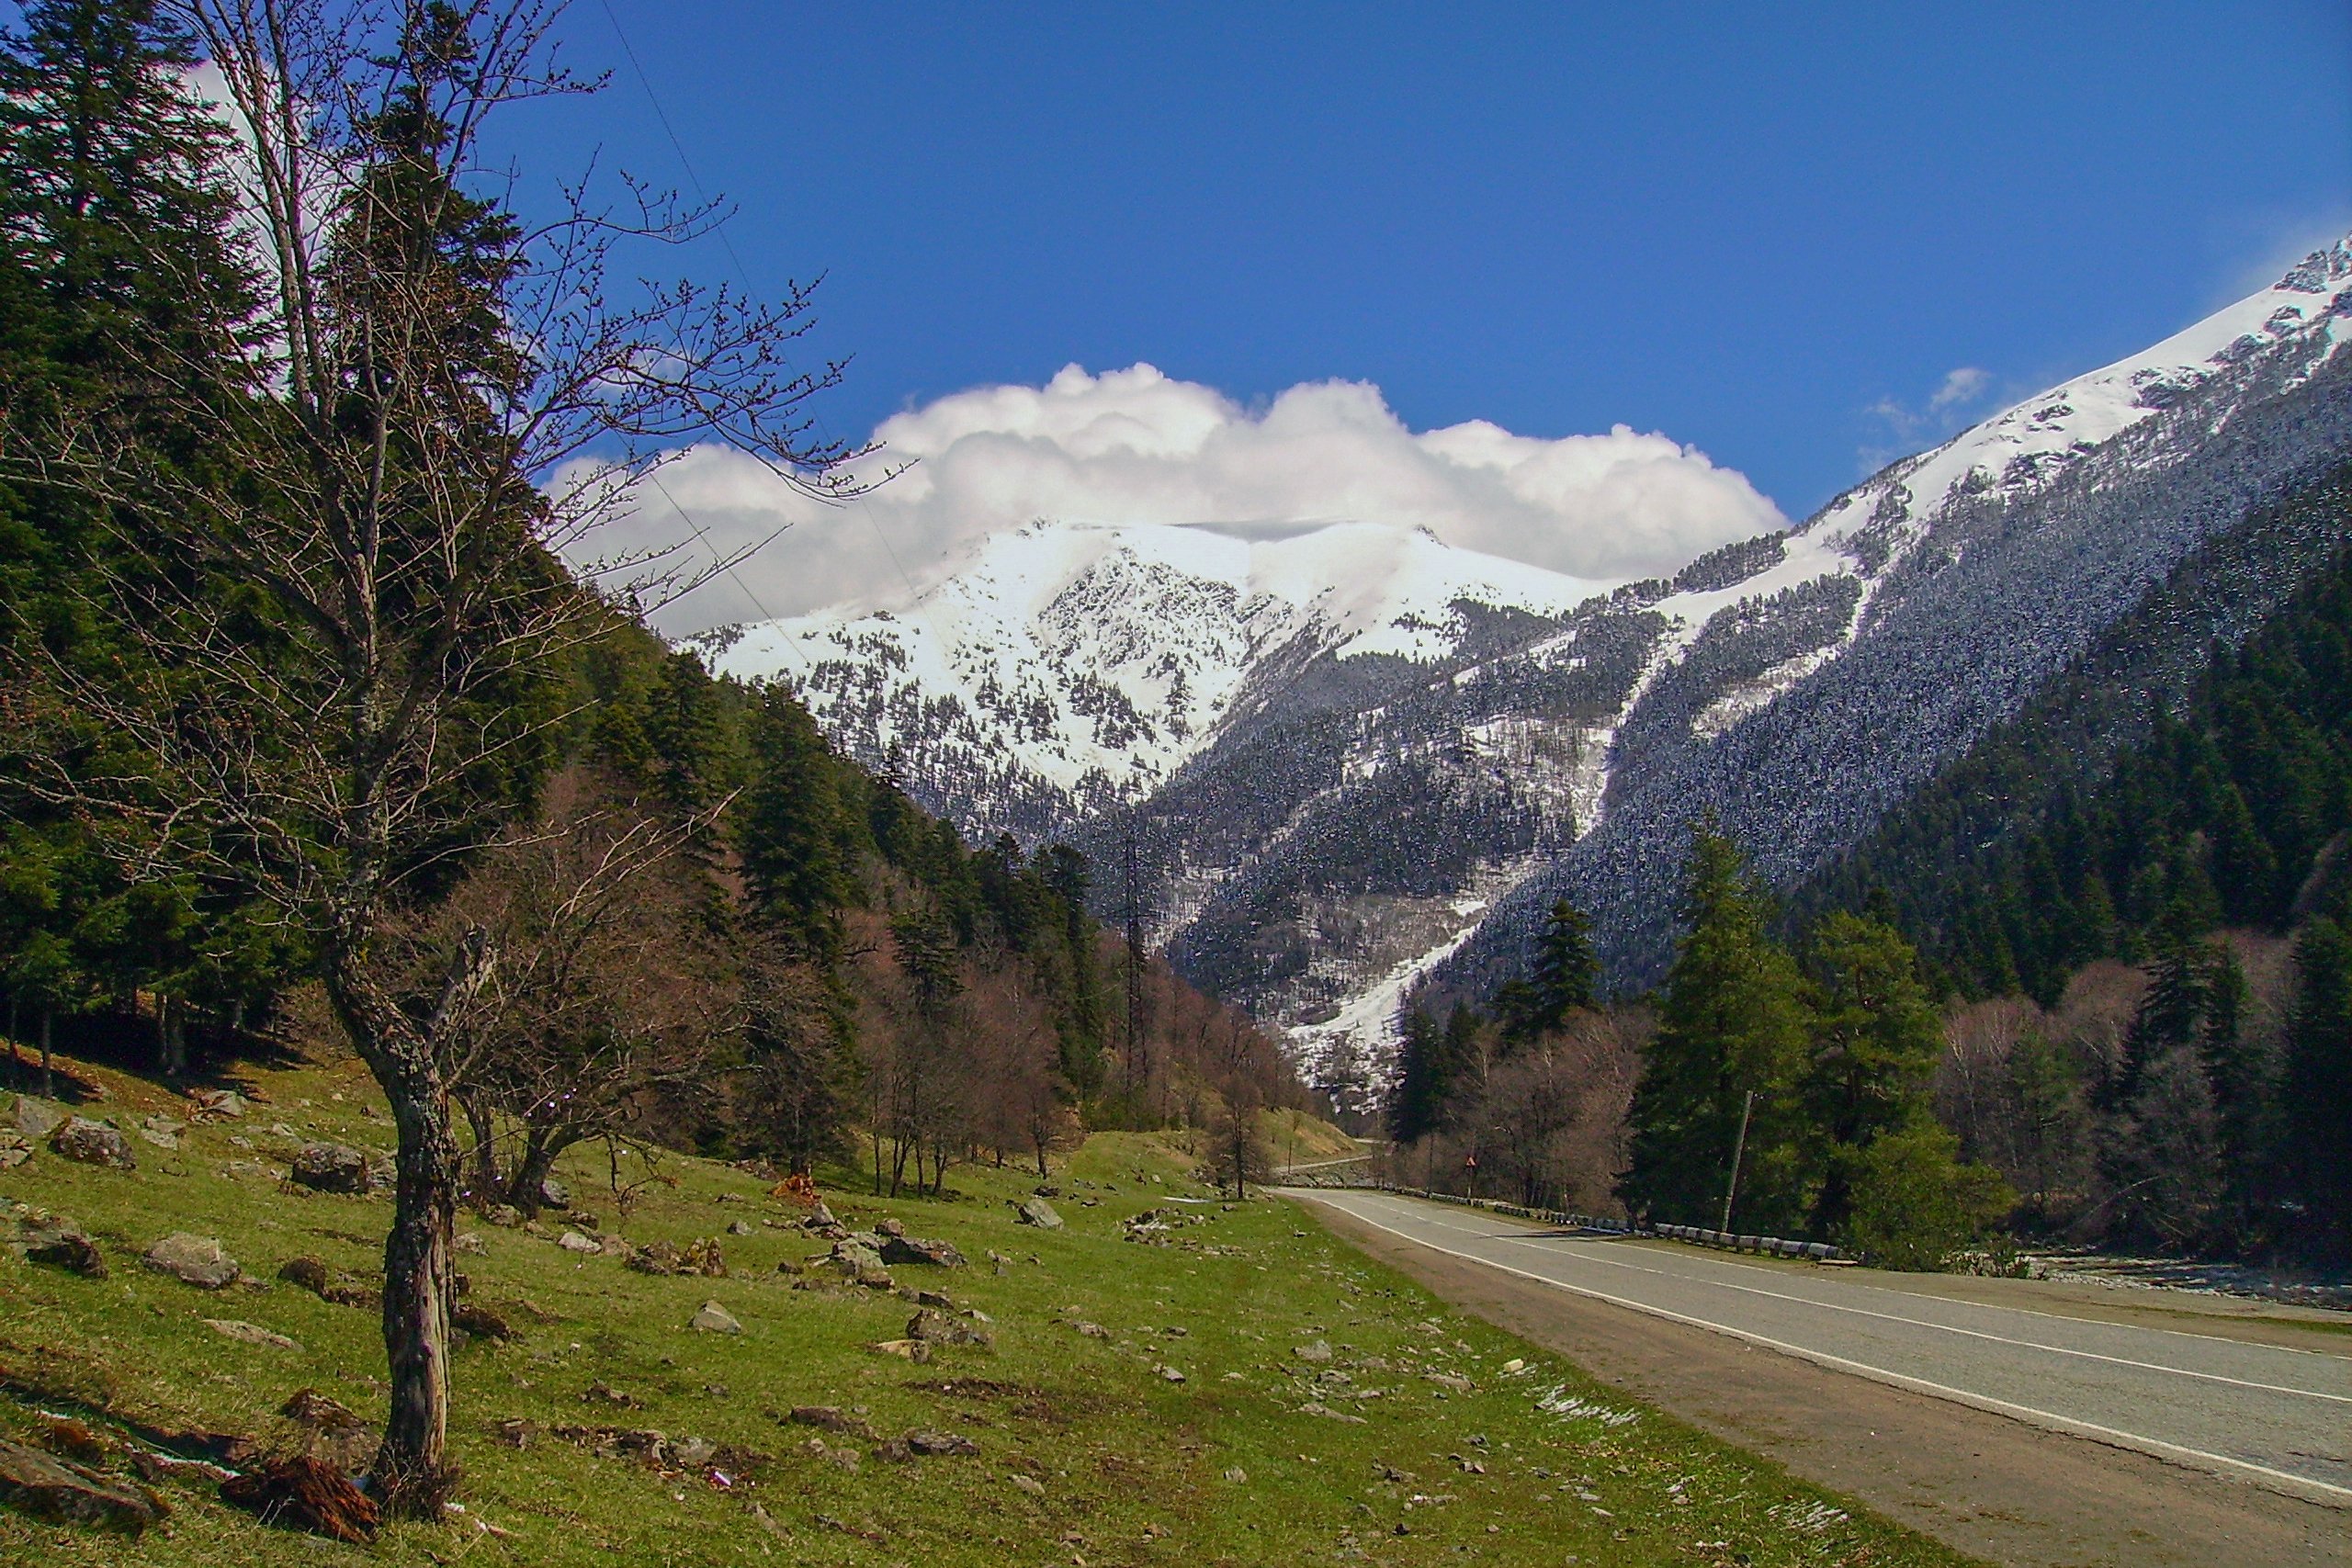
<point>35,1118</point>
<point>91,1143</point>
<point>741,1227</point>
<point>819,1218</point>
<point>162,1131</point>
<point>938,1328</point>
<point>691,1453</point>
<point>1317,1351</point>
<point>889,1227</point>
<point>59,1243</point>
<point>716,1319</point>
<point>572,1241</point>
<point>1036,1212</point>
<point>555,1194</point>
<point>14,1150</point>
<point>506,1215</point>
<point>937,1445</point>
<point>52,1489</point>
<point>333,1167</point>
<point>197,1261</point>
<point>915,1250</point>
<point>250,1333</point>
<point>218,1105</point>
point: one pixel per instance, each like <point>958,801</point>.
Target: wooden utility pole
<point>1739,1148</point>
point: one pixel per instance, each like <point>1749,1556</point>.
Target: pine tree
<point>1415,1107</point>
<point>2319,1083</point>
<point>1731,1021</point>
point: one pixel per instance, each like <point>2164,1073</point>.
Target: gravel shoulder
<point>1985,1485</point>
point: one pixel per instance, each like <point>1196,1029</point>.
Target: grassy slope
<point>1221,1468</point>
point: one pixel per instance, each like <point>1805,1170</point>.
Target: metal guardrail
<point>1764,1245</point>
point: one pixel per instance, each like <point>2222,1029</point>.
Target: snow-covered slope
<point>1350,756</point>
<point>1070,666</point>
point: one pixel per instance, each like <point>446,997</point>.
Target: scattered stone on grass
<point>740,1227</point>
<point>1316,1407</point>
<point>57,1241</point>
<point>85,1142</point>
<point>216,1104</point>
<point>506,1217</point>
<point>832,1418</point>
<point>65,1493</point>
<point>819,1218</point>
<point>333,1167</point>
<point>14,1150</point>
<point>481,1323</point>
<point>514,1432</point>
<point>1454,1382</point>
<point>470,1241</point>
<point>572,1241</point>
<point>250,1333</point>
<point>716,1319</point>
<point>162,1131</point>
<point>313,1275</point>
<point>938,1328</point>
<point>1029,1484</point>
<point>35,1117</point>
<point>1036,1212</point>
<point>899,1248</point>
<point>922,1443</point>
<point>192,1259</point>
<point>915,1350</point>
<point>1168,1374</point>
<point>305,1493</point>
<point>1238,1476</point>
<point>836,1454</point>
<point>554,1193</point>
<point>1315,1350</point>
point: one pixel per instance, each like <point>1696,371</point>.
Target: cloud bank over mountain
<point>1136,446</point>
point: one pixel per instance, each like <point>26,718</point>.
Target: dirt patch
<point>1996,1488</point>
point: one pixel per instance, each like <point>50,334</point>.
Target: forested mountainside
<point>2195,765</point>
<point>692,918</point>
<point>2015,574</point>
<point>1332,788</point>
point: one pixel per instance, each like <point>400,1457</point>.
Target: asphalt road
<point>2278,1416</point>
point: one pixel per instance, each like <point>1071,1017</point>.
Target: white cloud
<point>1135,446</point>
<point>1960,388</point>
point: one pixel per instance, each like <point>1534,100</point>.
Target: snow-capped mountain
<point>1348,756</point>
<point>1068,669</point>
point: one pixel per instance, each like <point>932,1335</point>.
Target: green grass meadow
<point>1416,1442</point>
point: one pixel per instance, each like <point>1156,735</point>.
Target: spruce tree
<point>1731,1021</point>
<point>1875,1040</point>
<point>1566,975</point>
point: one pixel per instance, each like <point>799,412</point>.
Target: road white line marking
<point>1523,1239</point>
<point>2281,1480</point>
<point>1953,1328</point>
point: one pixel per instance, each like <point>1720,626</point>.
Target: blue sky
<point>1745,227</point>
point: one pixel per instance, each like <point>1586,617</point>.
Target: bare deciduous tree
<point>443,403</point>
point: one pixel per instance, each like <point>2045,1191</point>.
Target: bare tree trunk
<point>485,1149</point>
<point>526,1188</point>
<point>413,1466</point>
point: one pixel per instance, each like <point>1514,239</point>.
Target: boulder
<point>653,1258</point>
<point>938,1445</point>
<point>333,1167</point>
<point>36,1118</point>
<point>505,1215</point>
<point>832,1418</point>
<point>85,1142</point>
<point>162,1131</point>
<point>716,1319</point>
<point>33,1483</point>
<point>57,1241</point>
<point>572,1241</point>
<point>938,1328</point>
<point>554,1193</point>
<point>197,1261</point>
<point>14,1149</point>
<point>915,1250</point>
<point>819,1218</point>
<point>889,1227</point>
<point>216,1104</point>
<point>1317,1351</point>
<point>740,1227</point>
<point>1036,1212</point>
